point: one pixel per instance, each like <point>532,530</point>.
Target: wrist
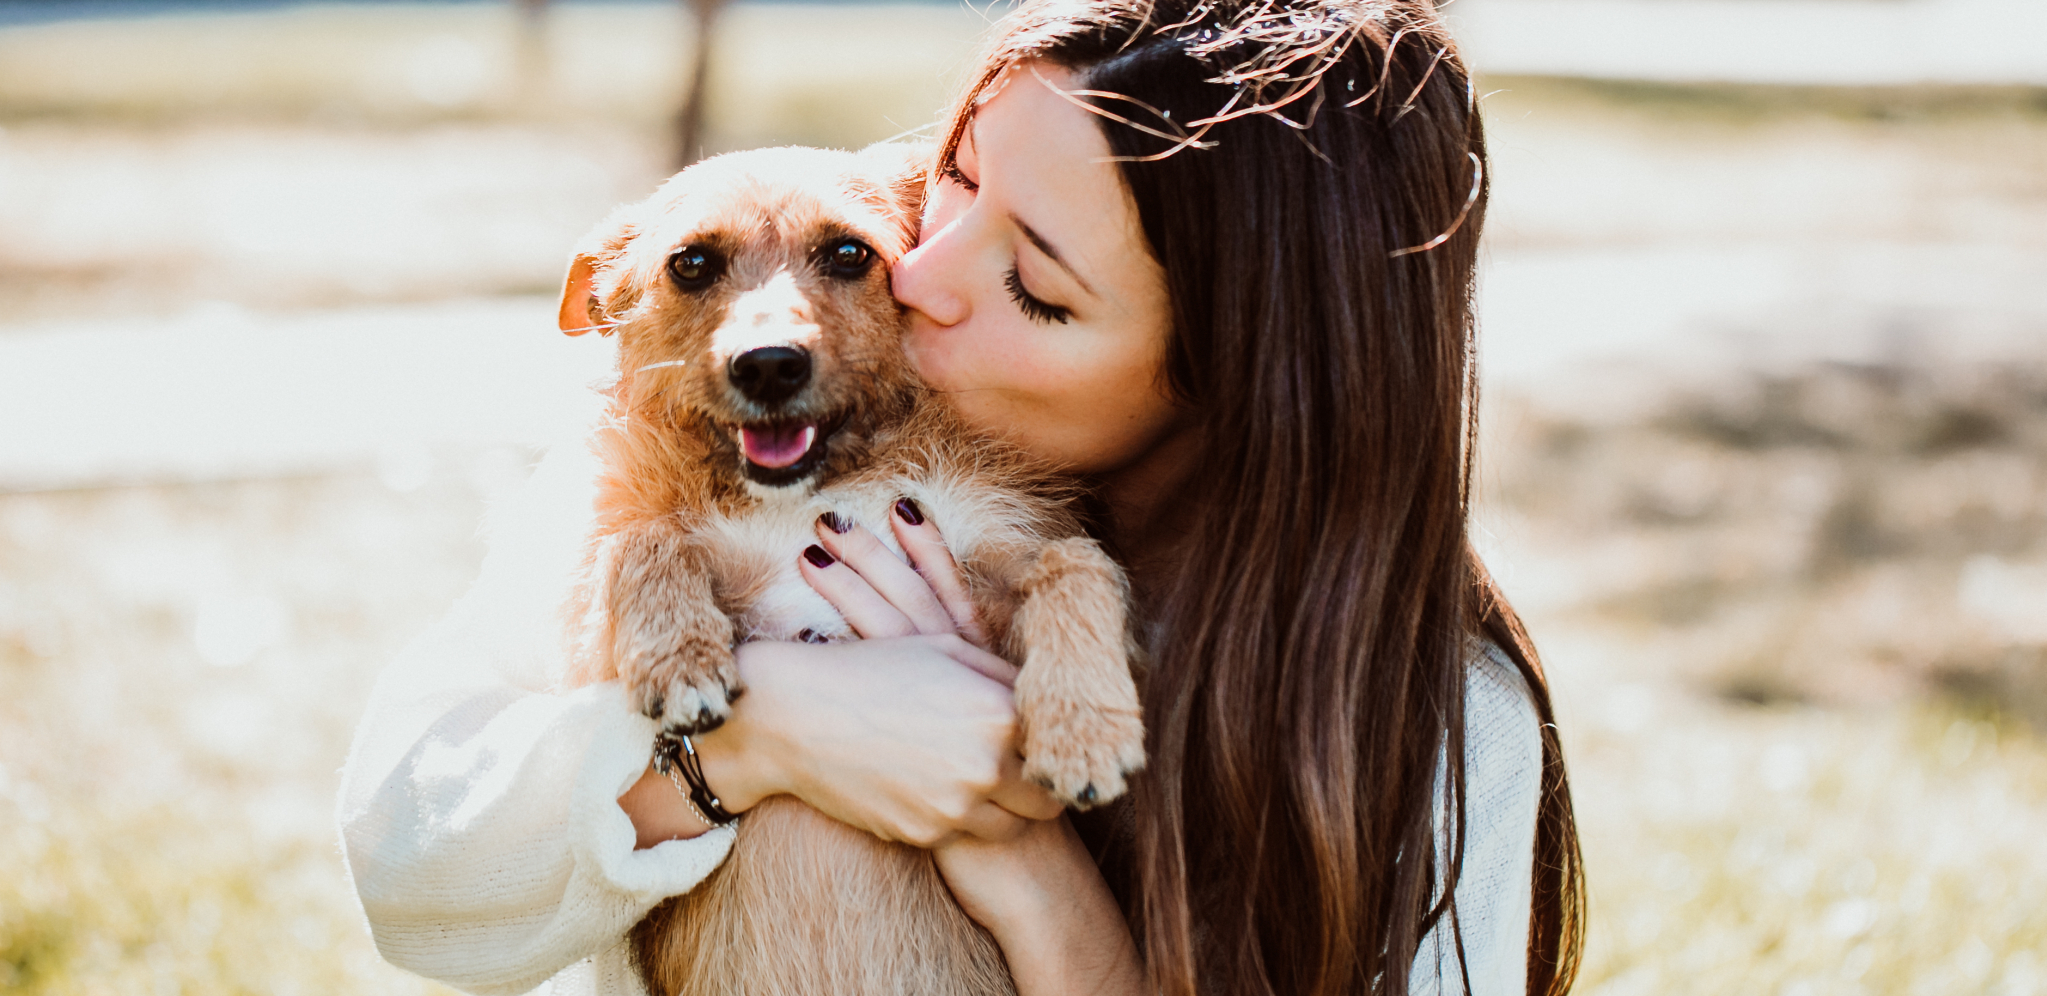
<point>1016,901</point>
<point>1046,905</point>
<point>741,759</point>
<point>1018,888</point>
<point>1071,945</point>
<point>1022,923</point>
<point>737,775</point>
<point>658,814</point>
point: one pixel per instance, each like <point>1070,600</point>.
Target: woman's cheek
<point>1079,410</point>
<point>1063,393</point>
<point>947,201</point>
<point>991,353</point>
<point>947,359</point>
<point>1004,381</point>
<point>1121,406</point>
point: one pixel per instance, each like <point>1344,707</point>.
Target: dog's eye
<point>848,258</point>
<point>694,268</point>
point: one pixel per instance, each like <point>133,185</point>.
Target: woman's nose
<point>923,280</point>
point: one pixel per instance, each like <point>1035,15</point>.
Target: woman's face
<point>1035,303</point>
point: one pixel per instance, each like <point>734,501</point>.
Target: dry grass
<point>166,816</point>
<point>1795,618</point>
<point>1796,626</point>
<point>180,668</point>
<point>1841,535</point>
<point>1808,851</point>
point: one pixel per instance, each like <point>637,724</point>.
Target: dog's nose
<point>770,373</point>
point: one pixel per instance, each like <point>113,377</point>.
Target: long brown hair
<point>1310,175</point>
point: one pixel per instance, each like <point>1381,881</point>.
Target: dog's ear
<point>580,310</point>
<point>578,303</point>
<point>906,167</point>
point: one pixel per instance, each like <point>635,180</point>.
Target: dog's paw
<point>1084,756</point>
<point>688,690</point>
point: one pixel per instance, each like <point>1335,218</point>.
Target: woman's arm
<point>499,830</point>
<point>908,738</point>
<point>1041,896</point>
<point>1503,784</point>
<point>908,733</point>
<point>490,852</point>
<point>1022,872</point>
<point>478,810</point>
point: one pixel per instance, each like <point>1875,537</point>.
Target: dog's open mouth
<point>775,447</point>
<point>780,453</point>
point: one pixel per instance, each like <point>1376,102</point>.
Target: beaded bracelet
<point>676,757</point>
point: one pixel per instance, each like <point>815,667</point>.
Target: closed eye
<point>951,171</point>
<point>1034,309</point>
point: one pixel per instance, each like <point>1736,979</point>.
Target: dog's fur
<point>696,549</point>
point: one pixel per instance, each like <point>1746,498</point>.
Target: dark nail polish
<point>835,522</point>
<point>818,557</point>
<point>909,511</point>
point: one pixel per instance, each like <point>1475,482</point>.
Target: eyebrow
<point>1051,253</point>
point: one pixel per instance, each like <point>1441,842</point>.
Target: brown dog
<point>762,384</point>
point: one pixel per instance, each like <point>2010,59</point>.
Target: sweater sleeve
<point>479,807</point>
<point>1503,785</point>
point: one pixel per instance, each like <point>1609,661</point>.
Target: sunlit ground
<point>1797,634</point>
<point>1766,469</point>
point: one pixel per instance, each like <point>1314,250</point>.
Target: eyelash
<point>951,171</point>
<point>1033,309</point>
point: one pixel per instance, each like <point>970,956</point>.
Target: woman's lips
<point>776,446</point>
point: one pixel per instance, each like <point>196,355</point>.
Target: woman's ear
<point>907,168</point>
<point>603,248</point>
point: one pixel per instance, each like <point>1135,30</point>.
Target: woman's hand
<point>881,596</point>
<point>910,738</point>
<point>1016,866</point>
<point>909,733</point>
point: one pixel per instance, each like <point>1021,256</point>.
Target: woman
<point>1218,259</point>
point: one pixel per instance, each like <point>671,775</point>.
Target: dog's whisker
<point>663,363</point>
<point>922,129</point>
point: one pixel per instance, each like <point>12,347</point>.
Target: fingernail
<point>835,522</point>
<point>909,511</point>
<point>818,557</point>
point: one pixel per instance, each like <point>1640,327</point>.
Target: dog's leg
<point>1083,727</point>
<point>669,640</point>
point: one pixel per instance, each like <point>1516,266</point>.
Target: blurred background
<point>1765,344</point>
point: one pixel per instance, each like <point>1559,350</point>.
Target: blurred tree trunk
<point>532,64</point>
<point>689,121</point>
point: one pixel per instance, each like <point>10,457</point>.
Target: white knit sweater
<point>479,812</point>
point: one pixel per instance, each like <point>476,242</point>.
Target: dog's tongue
<point>776,445</point>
